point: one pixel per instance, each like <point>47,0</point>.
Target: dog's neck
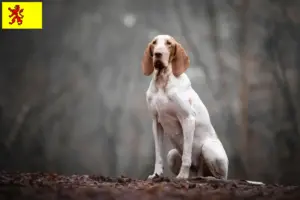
<point>161,77</point>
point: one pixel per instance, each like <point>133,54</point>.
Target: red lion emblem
<point>16,14</point>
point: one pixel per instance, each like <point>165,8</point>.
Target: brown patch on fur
<point>147,61</point>
<point>180,61</point>
<point>162,77</point>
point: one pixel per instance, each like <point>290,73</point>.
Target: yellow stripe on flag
<point>22,15</point>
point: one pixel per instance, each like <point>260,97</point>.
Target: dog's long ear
<point>147,61</point>
<point>181,61</point>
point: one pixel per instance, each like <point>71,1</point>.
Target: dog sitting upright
<point>178,112</point>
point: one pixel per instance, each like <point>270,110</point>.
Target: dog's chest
<point>161,104</point>
<point>166,112</point>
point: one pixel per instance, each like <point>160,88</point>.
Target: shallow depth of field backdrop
<point>72,96</point>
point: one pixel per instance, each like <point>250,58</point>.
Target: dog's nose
<point>157,54</point>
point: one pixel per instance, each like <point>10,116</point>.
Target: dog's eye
<point>168,43</point>
<point>154,42</point>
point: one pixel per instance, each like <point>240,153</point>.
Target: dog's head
<point>164,51</point>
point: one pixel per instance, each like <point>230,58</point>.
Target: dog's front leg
<point>158,143</point>
<point>188,128</point>
<point>187,121</point>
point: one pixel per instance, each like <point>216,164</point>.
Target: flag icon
<point>22,15</point>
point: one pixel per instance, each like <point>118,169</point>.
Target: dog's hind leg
<point>215,158</point>
<point>174,163</point>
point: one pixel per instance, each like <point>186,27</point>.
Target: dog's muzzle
<point>158,64</point>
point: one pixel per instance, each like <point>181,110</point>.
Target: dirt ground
<point>43,186</point>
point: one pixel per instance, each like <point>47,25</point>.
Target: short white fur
<point>178,112</point>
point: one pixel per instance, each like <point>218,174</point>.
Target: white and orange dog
<point>178,112</point>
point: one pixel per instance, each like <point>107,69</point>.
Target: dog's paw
<point>182,176</point>
<point>155,175</point>
<point>184,172</point>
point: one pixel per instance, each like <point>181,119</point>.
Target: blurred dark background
<point>72,96</point>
